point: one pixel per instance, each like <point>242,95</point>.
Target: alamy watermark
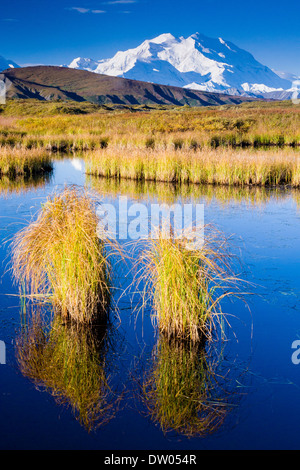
<point>296,92</point>
<point>2,352</point>
<point>3,90</point>
<point>296,354</point>
<point>5,84</point>
<point>125,220</point>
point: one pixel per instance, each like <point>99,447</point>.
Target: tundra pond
<point>121,385</point>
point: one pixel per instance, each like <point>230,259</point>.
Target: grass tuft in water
<point>186,285</point>
<point>59,258</point>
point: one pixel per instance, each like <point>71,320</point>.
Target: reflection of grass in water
<point>183,390</point>
<point>20,184</point>
<point>69,362</point>
<point>60,257</point>
<point>170,193</point>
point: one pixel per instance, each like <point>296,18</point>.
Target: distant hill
<point>58,83</point>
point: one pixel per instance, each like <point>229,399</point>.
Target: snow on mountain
<point>291,77</point>
<point>259,88</point>
<point>7,64</point>
<point>84,64</point>
<point>196,62</point>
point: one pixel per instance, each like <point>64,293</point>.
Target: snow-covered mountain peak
<point>7,64</point>
<point>83,63</point>
<point>196,62</point>
<point>164,38</point>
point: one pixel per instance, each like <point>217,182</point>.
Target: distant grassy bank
<point>65,126</point>
<point>24,162</point>
<point>217,167</point>
<point>215,145</point>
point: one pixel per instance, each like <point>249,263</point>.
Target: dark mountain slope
<point>53,83</point>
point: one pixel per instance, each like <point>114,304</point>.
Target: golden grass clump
<point>68,361</point>
<point>183,390</point>
<point>23,162</point>
<point>186,284</point>
<point>59,258</point>
<point>217,167</point>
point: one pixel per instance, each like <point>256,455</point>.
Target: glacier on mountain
<point>196,62</point>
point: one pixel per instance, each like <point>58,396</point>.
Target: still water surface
<point>260,393</point>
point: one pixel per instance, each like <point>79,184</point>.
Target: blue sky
<point>56,31</point>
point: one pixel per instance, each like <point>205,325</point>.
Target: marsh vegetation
<point>24,162</point>
<point>207,145</point>
<point>60,259</point>
<point>186,283</point>
<point>33,124</point>
<point>216,167</point>
<point>61,262</point>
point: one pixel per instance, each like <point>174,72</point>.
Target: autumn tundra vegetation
<point>219,145</point>
<point>60,257</point>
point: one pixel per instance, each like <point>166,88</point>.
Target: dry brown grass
<point>23,162</point>
<point>59,258</point>
<point>255,124</point>
<point>186,283</point>
<point>221,166</point>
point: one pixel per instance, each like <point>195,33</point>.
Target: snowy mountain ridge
<point>196,62</point>
<point>7,64</point>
